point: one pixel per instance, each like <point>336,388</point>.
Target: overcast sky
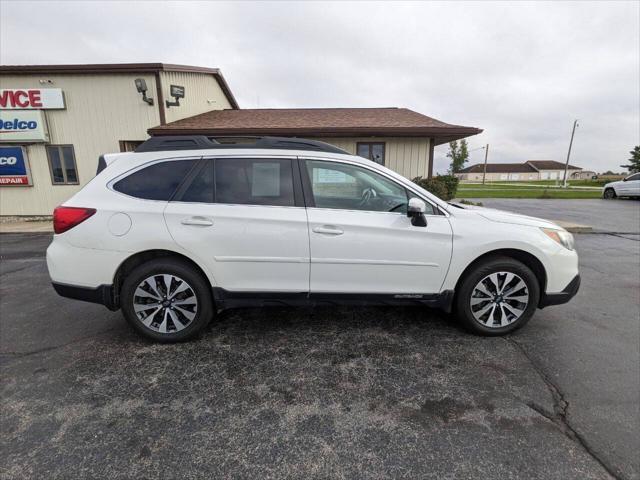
<point>521,71</point>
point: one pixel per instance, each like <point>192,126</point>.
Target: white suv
<point>186,226</point>
<point>627,187</point>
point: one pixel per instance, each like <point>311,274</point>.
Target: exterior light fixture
<point>141,86</point>
<point>177,92</point>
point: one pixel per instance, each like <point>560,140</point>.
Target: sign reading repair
<point>14,167</point>
<point>22,126</point>
<point>31,99</point>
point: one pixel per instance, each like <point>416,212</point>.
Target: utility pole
<point>566,165</point>
<point>486,154</point>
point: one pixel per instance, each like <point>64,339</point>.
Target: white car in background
<point>627,187</point>
<point>186,226</point>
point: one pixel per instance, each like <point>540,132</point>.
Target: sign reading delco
<point>31,99</point>
<point>14,167</point>
<point>22,126</point>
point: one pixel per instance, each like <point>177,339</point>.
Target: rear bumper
<point>567,294</point>
<point>102,294</point>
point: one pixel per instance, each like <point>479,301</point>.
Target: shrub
<point>469,202</point>
<point>442,186</point>
<point>451,184</point>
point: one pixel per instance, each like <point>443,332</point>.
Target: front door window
<point>348,187</point>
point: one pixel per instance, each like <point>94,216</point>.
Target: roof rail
<point>201,142</point>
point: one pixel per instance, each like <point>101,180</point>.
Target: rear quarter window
<point>155,182</point>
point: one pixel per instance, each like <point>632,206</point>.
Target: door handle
<point>197,221</point>
<point>328,230</point>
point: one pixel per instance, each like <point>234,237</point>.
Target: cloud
<point>521,71</point>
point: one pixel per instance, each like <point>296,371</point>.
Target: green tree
<point>459,155</point>
<point>634,161</point>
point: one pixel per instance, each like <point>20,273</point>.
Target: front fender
<point>477,239</point>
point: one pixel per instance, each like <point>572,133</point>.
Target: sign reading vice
<point>14,167</point>
<point>31,99</point>
<point>22,126</point>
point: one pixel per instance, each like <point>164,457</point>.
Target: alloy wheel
<point>499,299</point>
<point>165,303</point>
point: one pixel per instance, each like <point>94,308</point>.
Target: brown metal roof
<point>120,68</point>
<point>550,165</point>
<point>526,167</point>
<point>499,168</point>
<point>317,122</point>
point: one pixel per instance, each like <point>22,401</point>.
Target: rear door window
<point>246,181</point>
<point>155,182</point>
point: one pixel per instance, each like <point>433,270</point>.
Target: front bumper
<point>567,294</point>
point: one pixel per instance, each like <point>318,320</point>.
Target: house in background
<point>517,172</point>
<point>583,175</point>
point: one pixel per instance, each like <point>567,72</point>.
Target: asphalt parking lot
<point>329,393</point>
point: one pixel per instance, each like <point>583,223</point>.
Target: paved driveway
<point>327,393</point>
<point>620,216</point>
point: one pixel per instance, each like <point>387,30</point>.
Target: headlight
<point>563,237</point>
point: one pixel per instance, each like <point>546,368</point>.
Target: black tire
<point>465,290</point>
<point>609,194</point>
<point>199,287</point>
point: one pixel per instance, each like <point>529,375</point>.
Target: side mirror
<point>625,179</point>
<point>415,211</point>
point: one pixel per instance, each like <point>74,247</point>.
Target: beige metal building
<point>56,120</point>
<point>83,111</point>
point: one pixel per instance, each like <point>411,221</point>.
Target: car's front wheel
<point>499,296</point>
<point>609,194</point>
<point>166,300</point>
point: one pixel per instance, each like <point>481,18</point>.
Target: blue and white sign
<point>22,126</point>
<point>14,167</point>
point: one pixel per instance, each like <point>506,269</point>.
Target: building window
<point>372,151</point>
<point>62,165</point>
<point>129,145</point>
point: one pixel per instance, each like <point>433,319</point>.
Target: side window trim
<point>307,188</point>
<point>188,179</point>
<point>298,185</point>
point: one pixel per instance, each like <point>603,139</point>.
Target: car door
<point>630,186</point>
<point>244,218</point>
<point>361,238</point>
<point>635,185</point>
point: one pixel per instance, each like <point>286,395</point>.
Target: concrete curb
<point>573,227</point>
<point>26,227</point>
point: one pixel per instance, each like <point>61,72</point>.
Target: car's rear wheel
<point>609,193</point>
<point>499,296</point>
<point>166,300</point>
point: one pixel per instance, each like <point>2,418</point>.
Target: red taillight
<point>65,218</point>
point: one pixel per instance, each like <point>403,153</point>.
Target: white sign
<point>31,99</point>
<point>22,126</point>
